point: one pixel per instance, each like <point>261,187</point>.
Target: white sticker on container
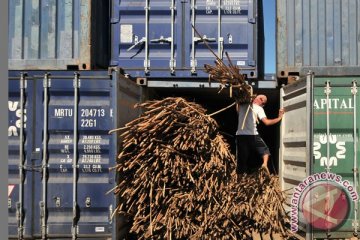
<point>240,63</point>
<point>126,33</point>
<point>99,229</point>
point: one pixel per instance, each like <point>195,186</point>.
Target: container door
<point>295,138</point>
<point>295,128</point>
<point>226,26</point>
<point>20,164</point>
<point>336,149</point>
<point>73,117</point>
<point>145,33</point>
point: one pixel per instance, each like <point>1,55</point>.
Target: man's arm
<point>269,122</point>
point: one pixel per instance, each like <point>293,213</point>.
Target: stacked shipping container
<point>155,38</point>
<point>320,130</point>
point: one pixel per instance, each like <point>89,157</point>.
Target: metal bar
<point>334,85</point>
<point>281,149</point>
<point>356,206</point>
<point>43,205</point>
<point>310,133</point>
<point>193,60</point>
<point>75,158</point>
<point>172,59</point>
<point>220,39</point>
<point>146,63</point>
<point>327,92</point>
<point>21,159</point>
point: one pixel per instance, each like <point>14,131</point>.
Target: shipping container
<point>59,121</point>
<point>155,38</point>
<point>60,152</point>
<point>319,144</point>
<point>59,35</point>
<point>318,35</point>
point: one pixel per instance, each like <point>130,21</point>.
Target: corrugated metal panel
<point>294,161</point>
<point>50,34</point>
<point>68,117</point>
<point>338,118</point>
<point>295,136</point>
<point>155,38</point>
<point>318,35</point>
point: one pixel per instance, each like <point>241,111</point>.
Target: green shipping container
<point>319,150</point>
<point>336,150</point>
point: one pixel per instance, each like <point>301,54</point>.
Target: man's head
<point>260,100</point>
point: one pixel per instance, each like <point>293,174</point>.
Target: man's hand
<point>281,112</point>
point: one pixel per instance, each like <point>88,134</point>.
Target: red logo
<point>325,206</point>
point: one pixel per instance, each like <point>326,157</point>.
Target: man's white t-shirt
<point>249,126</point>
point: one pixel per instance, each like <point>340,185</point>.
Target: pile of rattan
<point>229,76</point>
<point>178,180</point>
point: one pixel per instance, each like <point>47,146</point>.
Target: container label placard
<point>91,158</point>
<point>231,7</point>
<point>126,33</point>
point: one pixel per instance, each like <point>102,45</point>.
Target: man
<point>247,136</point>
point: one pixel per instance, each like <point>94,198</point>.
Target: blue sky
<point>269,28</point>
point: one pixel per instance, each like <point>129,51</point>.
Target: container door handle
<point>137,43</point>
<point>204,38</point>
<point>161,40</point>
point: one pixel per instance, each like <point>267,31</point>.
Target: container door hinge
<point>9,202</point>
<point>252,63</point>
<point>252,20</point>
<point>355,170</point>
<point>114,20</point>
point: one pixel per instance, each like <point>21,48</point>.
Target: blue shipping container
<point>60,151</point>
<point>59,35</point>
<point>155,38</point>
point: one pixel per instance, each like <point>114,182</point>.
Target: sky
<point>269,29</point>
